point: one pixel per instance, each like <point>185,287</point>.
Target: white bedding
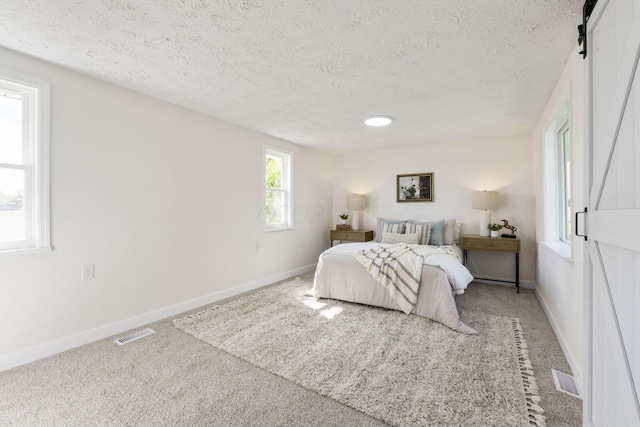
<point>340,276</point>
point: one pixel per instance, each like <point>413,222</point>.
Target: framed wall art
<point>415,187</point>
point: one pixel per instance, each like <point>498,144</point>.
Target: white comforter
<point>340,276</point>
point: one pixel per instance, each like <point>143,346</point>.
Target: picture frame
<point>414,187</point>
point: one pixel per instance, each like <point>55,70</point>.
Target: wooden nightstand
<point>498,244</point>
<point>351,236</point>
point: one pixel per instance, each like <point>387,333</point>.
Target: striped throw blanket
<point>398,268</point>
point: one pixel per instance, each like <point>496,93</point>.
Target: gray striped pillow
<point>380,222</point>
<point>436,235</point>
<point>397,228</point>
<point>423,229</point>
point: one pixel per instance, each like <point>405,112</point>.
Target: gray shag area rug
<point>402,369</point>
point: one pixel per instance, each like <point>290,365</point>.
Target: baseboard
<point>50,348</point>
<point>568,354</point>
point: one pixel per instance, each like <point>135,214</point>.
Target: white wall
<point>559,284</point>
<point>459,168</point>
<point>164,201</point>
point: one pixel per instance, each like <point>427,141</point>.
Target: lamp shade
<point>356,201</point>
<point>484,199</point>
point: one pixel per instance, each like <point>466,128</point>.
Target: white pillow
<point>457,230</point>
<point>448,232</point>
<point>408,238</point>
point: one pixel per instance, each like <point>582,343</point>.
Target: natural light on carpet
<point>331,312</point>
<point>311,302</point>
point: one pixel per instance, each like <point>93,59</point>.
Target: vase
<point>344,221</point>
<point>494,233</point>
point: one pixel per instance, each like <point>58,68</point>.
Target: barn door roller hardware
<point>576,221</point>
<point>582,28</point>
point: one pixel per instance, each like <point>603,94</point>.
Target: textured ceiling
<point>311,71</point>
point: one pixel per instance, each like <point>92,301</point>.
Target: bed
<point>339,275</point>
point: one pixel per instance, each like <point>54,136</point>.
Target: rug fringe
<point>200,313</point>
<point>531,390</point>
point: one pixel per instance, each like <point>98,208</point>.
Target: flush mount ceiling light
<point>378,121</point>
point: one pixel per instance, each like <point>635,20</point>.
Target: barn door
<point>613,219</point>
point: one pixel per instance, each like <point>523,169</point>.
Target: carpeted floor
<point>544,350</point>
<point>172,378</point>
<point>403,370</point>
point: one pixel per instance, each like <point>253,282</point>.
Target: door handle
<point>576,233</point>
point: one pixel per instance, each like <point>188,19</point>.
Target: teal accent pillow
<point>437,236</point>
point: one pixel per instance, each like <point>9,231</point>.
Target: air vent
<point>565,383</point>
<point>134,336</point>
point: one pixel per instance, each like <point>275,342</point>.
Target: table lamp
<point>356,202</point>
<point>485,200</point>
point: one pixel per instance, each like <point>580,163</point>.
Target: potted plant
<point>344,218</point>
<point>494,229</point>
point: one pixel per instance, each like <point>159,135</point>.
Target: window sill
<point>29,251</point>
<point>562,249</point>
<point>272,229</point>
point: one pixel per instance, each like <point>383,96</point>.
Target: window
<point>24,157</point>
<point>556,176</point>
<point>564,183</point>
<point>277,189</point>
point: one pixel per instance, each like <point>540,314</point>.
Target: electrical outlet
<point>88,271</point>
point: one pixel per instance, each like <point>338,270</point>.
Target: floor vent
<point>134,336</point>
<point>565,383</point>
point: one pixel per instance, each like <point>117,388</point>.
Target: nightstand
<point>498,244</point>
<point>351,236</point>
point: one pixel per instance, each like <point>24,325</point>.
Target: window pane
<point>275,207</point>
<point>12,207</point>
<point>10,128</point>
<point>567,183</point>
<point>277,189</point>
<point>274,168</point>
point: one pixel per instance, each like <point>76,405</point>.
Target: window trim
<point>37,94</point>
<point>562,175</point>
<point>287,180</point>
